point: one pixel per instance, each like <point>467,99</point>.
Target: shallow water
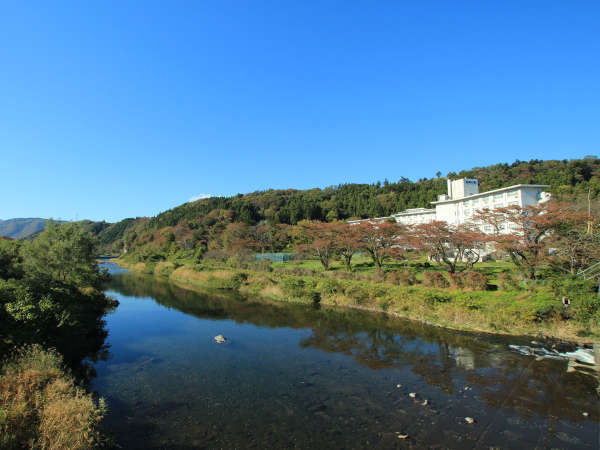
<point>298,377</point>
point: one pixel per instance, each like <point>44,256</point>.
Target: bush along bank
<point>42,407</point>
<point>465,301</point>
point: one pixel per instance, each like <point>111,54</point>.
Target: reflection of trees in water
<point>442,358</point>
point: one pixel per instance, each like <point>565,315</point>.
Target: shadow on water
<point>516,400</point>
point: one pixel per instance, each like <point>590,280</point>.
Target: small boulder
<point>412,395</point>
<point>469,420</point>
<point>220,339</point>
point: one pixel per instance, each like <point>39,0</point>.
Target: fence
<point>276,257</point>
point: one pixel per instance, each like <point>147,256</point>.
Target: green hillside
<point>204,220</point>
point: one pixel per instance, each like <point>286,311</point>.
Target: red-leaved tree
<point>381,241</point>
<point>458,247</point>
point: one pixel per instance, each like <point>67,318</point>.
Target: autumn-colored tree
<point>381,241</point>
<point>458,247</point>
<point>318,239</point>
<point>574,248</point>
<point>347,243</point>
<point>265,237</point>
<point>526,237</point>
<point>495,219</point>
<point>236,238</point>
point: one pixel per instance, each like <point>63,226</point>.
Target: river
<point>293,376</point>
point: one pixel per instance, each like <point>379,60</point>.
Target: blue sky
<point>122,109</point>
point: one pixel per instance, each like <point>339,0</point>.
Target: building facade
<point>463,200</point>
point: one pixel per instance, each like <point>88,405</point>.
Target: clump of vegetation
<point>41,407</point>
<point>435,279</point>
<point>508,282</point>
<point>402,278</point>
<point>359,294</point>
<point>470,280</point>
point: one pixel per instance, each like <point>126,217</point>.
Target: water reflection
<point>517,400</point>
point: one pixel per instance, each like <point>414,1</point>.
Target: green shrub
<point>294,287</point>
<point>587,307</point>
<point>436,280</point>
<point>330,287</point>
<point>357,293</point>
<point>149,268</point>
<point>402,278</point>
<point>432,298</point>
<point>507,282</point>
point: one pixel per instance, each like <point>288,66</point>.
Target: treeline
<point>566,178</point>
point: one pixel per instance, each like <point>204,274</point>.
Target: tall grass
<point>42,408</point>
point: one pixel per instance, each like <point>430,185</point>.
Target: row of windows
<point>497,198</point>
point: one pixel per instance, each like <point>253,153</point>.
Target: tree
<point>64,253</point>
<point>574,249</point>
<point>347,243</point>
<point>236,238</point>
<point>381,241</point>
<point>318,239</point>
<point>527,230</point>
<point>458,247</point>
<point>51,292</point>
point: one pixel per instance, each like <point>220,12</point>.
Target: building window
<point>498,198</point>
<point>467,212</point>
<point>513,195</point>
<point>513,203</point>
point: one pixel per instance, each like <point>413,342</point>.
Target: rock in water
<point>469,420</point>
<point>220,339</point>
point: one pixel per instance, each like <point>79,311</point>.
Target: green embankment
<point>510,309</point>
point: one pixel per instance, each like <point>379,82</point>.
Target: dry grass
<point>41,407</point>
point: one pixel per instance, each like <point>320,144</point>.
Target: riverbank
<point>510,311</point>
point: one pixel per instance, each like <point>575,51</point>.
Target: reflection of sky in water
<point>294,376</point>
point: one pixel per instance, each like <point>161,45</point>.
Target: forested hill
<point>380,199</point>
<point>20,228</point>
<point>344,201</point>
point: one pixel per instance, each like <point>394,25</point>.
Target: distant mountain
<point>21,228</point>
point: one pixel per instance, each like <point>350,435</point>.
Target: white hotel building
<point>463,200</point>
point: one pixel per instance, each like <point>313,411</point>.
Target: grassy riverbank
<point>42,407</point>
<point>502,306</point>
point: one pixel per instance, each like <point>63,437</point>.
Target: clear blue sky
<point>113,109</point>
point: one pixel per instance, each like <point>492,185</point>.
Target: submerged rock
<point>220,339</point>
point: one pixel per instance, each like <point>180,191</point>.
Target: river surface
<point>292,376</point>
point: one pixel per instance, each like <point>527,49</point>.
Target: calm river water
<point>298,377</point>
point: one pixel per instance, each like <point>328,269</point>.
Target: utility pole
<point>589,230</point>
